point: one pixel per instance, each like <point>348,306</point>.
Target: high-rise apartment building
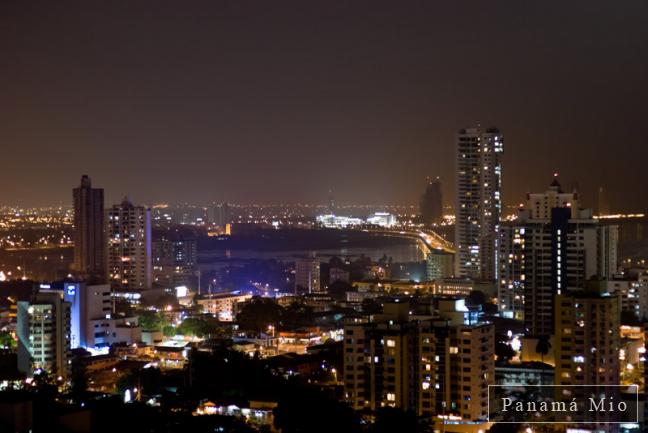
<point>587,344</point>
<point>431,206</point>
<point>174,261</point>
<point>219,214</point>
<point>89,230</point>
<point>479,201</point>
<point>583,322</point>
<point>307,275</point>
<point>43,331</point>
<point>436,366</point>
<point>129,247</point>
<point>438,264</point>
<point>539,205</point>
<point>553,247</point>
<point>632,294</point>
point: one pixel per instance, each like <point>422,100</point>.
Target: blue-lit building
<point>93,324</point>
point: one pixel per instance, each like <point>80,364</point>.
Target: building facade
<point>92,322</point>
<point>307,275</point>
<point>632,294</point>
<point>436,366</point>
<point>89,229</point>
<point>225,306</point>
<point>479,201</point>
<point>438,264</point>
<point>553,247</point>
<point>174,262</point>
<point>129,247</point>
<point>587,344</point>
<point>44,335</point>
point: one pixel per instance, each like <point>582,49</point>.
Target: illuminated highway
<point>428,238</point>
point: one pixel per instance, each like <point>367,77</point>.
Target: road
<point>430,239</point>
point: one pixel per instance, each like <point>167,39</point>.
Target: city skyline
<point>363,101</point>
<point>354,217</point>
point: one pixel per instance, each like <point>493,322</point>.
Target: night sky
<point>280,101</point>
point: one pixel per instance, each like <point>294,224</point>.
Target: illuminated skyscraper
<point>436,364</point>
<point>479,202</point>
<point>89,230</point>
<point>43,331</point>
<point>174,261</point>
<point>307,275</point>
<point>587,345</point>
<point>129,246</point>
<point>552,248</point>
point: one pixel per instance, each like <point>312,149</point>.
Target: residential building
<point>587,342</point>
<point>552,247</point>
<point>479,201</point>
<point>43,332</point>
<point>307,275</point>
<point>632,294</point>
<point>438,366</point>
<point>129,247</point>
<point>89,230</point>
<point>175,261</point>
<point>438,264</point>
<point>225,306</point>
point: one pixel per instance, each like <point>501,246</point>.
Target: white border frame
<point>562,422</point>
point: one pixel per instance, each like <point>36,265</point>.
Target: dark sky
<point>272,101</point>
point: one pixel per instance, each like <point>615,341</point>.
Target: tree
<point>504,351</point>
<point>543,346</point>
<point>169,331</point>
<point>7,340</point>
<point>297,315</point>
<point>504,428</point>
<point>205,326</point>
<point>152,320</point>
<point>475,298</point>
<point>305,409</point>
<point>389,420</point>
<point>79,375</point>
<point>165,300</point>
<point>258,314</point>
<point>45,384</point>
